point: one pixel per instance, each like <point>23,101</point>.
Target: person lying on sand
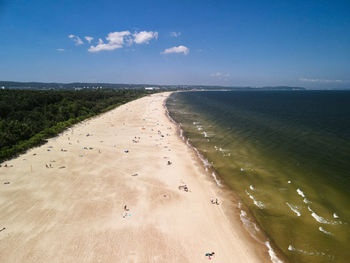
<point>209,255</point>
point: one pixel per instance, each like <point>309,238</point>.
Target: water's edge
<point>242,213</point>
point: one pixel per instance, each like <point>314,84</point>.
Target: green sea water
<point>286,154</point>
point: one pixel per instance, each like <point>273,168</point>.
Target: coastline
<point>235,209</point>
<point>75,209</point>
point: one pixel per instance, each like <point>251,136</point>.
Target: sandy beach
<point>112,189</point>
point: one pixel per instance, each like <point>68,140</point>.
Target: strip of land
<point>113,189</point>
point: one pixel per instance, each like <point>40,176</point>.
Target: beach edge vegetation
<point>29,117</point>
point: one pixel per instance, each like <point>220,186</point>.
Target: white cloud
<point>323,80</point>
<point>60,49</point>
<point>89,39</point>
<point>178,49</point>
<point>115,40</point>
<point>76,39</point>
<point>175,34</point>
<point>144,36</point>
<point>220,75</point>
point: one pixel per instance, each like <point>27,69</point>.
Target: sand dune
<point>73,211</point>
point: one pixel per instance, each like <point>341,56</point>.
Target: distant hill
<point>81,85</point>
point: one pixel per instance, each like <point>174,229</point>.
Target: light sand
<point>75,213</point>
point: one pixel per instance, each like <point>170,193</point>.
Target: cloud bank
<point>178,49</point>
<point>323,80</point>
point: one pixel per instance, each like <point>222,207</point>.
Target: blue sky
<point>240,43</point>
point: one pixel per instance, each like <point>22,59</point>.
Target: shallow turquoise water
<point>287,155</point>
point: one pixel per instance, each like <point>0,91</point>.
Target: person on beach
<point>212,200</point>
<point>216,201</point>
<point>209,255</point>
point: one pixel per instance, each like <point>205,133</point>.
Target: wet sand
<point>65,201</point>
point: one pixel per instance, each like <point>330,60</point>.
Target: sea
<point>286,155</point>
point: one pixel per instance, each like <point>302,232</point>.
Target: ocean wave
<point>294,209</point>
<point>272,253</point>
<point>250,226</point>
<point>206,135</point>
<point>301,193</point>
<point>322,220</point>
<point>204,161</point>
<point>309,253</point>
<point>257,203</point>
<point>324,231</point>
<point>305,200</point>
<point>216,179</point>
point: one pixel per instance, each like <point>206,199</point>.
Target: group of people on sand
<point>136,139</point>
<point>49,166</point>
<point>216,202</point>
<point>183,187</point>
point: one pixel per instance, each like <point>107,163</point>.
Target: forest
<point>29,117</point>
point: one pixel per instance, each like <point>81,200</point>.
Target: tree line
<point>28,117</point>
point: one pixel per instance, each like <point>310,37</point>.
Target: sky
<point>207,42</point>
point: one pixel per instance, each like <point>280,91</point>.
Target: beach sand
<point>73,211</point>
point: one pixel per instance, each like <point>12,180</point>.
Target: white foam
<point>205,134</point>
<point>321,219</point>
<point>291,248</point>
<point>248,224</point>
<point>309,253</point>
<point>272,253</point>
<point>257,203</point>
<point>242,169</point>
<point>289,181</point>
<point>300,193</point>
<point>324,231</point>
<point>294,209</point>
<point>335,215</point>
<point>251,187</point>
<point>307,201</point>
<point>216,179</point>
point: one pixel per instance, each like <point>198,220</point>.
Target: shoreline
<point>117,159</point>
<point>237,211</point>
